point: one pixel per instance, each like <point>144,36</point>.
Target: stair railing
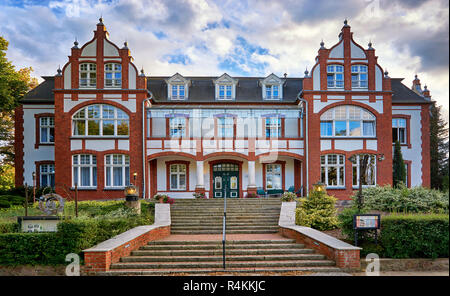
<point>224,224</point>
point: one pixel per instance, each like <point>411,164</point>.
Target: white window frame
<point>271,171</point>
<point>399,127</point>
<point>225,92</point>
<point>334,71</point>
<point>113,161</point>
<point>272,91</point>
<point>90,81</point>
<point>339,166</point>
<point>179,172</point>
<point>225,127</point>
<point>355,164</point>
<point>77,165</point>
<point>352,114</point>
<point>359,71</point>
<point>46,171</point>
<point>177,89</point>
<point>177,123</point>
<point>46,124</point>
<point>102,117</point>
<point>115,69</point>
<point>273,124</point>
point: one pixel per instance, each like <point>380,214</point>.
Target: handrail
<point>224,224</point>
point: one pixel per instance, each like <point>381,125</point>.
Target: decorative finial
<point>370,44</point>
<point>100,20</point>
<point>425,87</point>
<point>345,23</point>
<point>285,75</point>
<point>322,45</point>
<point>386,73</point>
<point>415,77</point>
<point>306,72</point>
<point>59,71</point>
<point>75,43</point>
<point>125,45</point>
<point>142,72</point>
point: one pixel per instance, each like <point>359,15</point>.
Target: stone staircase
<point>205,216</point>
<point>252,247</point>
<point>205,257</point>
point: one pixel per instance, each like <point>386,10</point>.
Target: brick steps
<point>229,258</point>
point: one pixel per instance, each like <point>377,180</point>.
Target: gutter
<point>305,103</point>
<point>144,154</point>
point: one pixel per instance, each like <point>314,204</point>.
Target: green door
<point>226,180</point>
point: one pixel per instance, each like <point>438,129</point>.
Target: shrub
<point>415,236</point>
<point>199,195</point>
<point>8,227</point>
<point>288,196</point>
<point>317,211</point>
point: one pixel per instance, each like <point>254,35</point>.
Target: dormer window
<point>178,92</point>
<point>272,87</point>
<point>225,87</point>
<point>88,75</point>
<point>359,76</point>
<point>225,92</point>
<point>113,75</point>
<point>177,87</point>
<point>335,76</point>
<point>272,92</point>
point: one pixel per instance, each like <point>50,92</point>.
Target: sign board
<point>366,221</point>
<point>38,223</point>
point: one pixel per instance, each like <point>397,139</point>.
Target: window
<point>273,176</point>
<point>335,76</point>
<point>84,168</point>
<point>273,127</point>
<point>113,75</point>
<point>47,175</point>
<point>177,126</point>
<point>272,92</point>
<point>178,92</point>
<point>359,76</point>
<point>47,130</point>
<point>225,92</point>
<point>347,121</point>
<point>88,75</point>
<point>100,120</point>
<point>369,175</point>
<point>225,127</point>
<point>332,170</point>
<point>177,177</point>
<point>399,130</point>
<point>117,170</point>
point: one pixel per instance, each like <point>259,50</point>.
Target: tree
<point>438,148</point>
<point>13,86</point>
<point>399,168</point>
<point>317,211</point>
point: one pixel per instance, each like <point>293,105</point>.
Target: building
<point>101,124</point>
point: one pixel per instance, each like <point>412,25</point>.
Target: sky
<point>239,37</point>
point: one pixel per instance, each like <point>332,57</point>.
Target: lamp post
<point>34,186</point>
<point>132,196</point>
<point>319,187</point>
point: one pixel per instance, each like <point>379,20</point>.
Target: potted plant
<point>162,198</point>
<point>252,195</point>
<point>199,195</point>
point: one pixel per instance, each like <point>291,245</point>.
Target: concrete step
<point>228,271</point>
<point>219,252</point>
<point>235,258</point>
<point>218,264</point>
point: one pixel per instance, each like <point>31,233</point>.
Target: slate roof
<point>202,90</point>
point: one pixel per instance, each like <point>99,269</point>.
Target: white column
<point>251,174</point>
<point>200,176</point>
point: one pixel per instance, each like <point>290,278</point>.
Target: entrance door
<point>226,180</point>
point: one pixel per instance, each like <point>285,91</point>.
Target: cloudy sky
<point>242,38</point>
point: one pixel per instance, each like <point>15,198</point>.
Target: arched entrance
<point>225,180</point>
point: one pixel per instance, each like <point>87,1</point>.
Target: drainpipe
<point>305,103</point>
<point>144,153</point>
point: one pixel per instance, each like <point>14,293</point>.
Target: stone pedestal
<point>134,204</point>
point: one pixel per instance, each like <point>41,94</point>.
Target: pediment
<point>177,78</point>
<point>225,79</point>
<point>272,79</point>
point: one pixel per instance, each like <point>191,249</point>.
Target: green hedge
<point>73,236</point>
<point>415,236</point>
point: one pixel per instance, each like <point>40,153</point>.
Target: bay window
<point>84,170</point>
<point>332,170</point>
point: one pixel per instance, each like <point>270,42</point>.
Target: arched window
<point>113,75</point>
<point>347,121</point>
<point>100,120</point>
<point>117,170</point>
<point>88,75</point>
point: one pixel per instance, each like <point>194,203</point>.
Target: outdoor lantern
<point>319,186</point>
<point>131,193</point>
<point>381,157</point>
